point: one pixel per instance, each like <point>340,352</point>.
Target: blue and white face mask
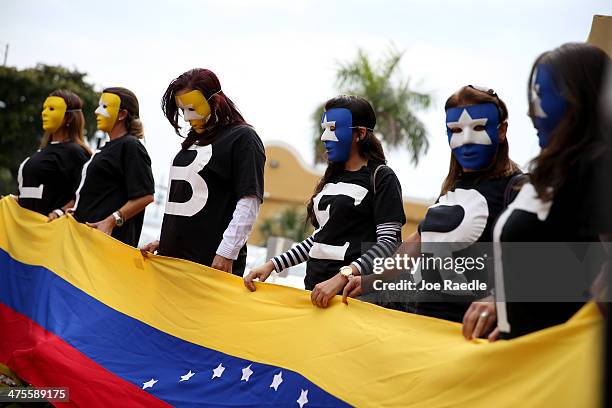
<point>337,134</point>
<point>473,134</point>
<point>547,104</point>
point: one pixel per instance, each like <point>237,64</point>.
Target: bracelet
<point>59,212</point>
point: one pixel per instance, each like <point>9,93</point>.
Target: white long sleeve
<point>239,228</point>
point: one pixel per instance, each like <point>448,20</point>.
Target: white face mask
<point>468,133</point>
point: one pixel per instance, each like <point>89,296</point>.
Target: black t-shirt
<point>577,214</point>
<point>463,217</point>
<point>205,185</point>
<point>120,171</point>
<point>49,178</point>
<point>347,212</point>
<point>597,218</point>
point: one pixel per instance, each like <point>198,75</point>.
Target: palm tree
<point>392,98</point>
<point>290,223</point>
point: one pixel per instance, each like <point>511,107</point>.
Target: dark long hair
<point>223,112</point>
<point>130,104</point>
<point>369,148</point>
<point>578,71</point>
<point>501,164</point>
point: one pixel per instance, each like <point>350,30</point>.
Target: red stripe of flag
<point>45,360</point>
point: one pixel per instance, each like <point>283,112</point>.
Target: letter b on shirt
<point>190,175</point>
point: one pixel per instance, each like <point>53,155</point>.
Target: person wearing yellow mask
<point>195,108</point>
<point>117,182</point>
<point>49,178</point>
<point>216,179</point>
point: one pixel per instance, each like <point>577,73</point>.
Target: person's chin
<point>332,158</point>
<point>471,165</point>
<point>542,140</point>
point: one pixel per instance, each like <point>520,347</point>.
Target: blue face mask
<point>547,104</point>
<point>473,134</point>
<point>337,133</point>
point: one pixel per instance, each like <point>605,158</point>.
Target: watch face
<point>118,219</point>
<point>346,271</point>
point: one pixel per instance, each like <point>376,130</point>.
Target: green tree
<point>289,223</point>
<point>22,93</point>
<point>392,97</point>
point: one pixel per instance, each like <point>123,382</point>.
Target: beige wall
<point>289,182</point>
<point>601,33</point>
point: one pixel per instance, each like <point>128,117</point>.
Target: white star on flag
<point>149,384</point>
<point>187,376</point>
<point>246,373</point>
<point>535,98</point>
<point>303,400</point>
<point>218,372</point>
<point>278,378</point>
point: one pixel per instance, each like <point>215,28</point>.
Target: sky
<point>277,59</point>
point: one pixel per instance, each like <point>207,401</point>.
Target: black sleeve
<point>596,212</point>
<point>248,160</point>
<point>137,169</point>
<point>78,157</point>
<point>515,183</point>
<point>420,225</point>
<point>388,201</point>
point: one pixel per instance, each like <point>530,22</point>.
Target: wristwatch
<point>118,218</point>
<point>346,271</point>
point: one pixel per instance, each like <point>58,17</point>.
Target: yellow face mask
<point>196,109</point>
<point>107,112</point>
<point>54,110</point>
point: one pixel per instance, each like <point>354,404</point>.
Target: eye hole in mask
<point>477,128</point>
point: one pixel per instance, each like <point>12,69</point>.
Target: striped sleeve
<point>388,239</point>
<point>294,256</point>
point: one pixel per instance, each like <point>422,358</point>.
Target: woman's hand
<point>53,215</point>
<point>150,248</point>
<point>222,264</point>
<point>261,272</point>
<point>352,288</point>
<point>324,291</point>
<point>479,319</point>
<point>494,336</point>
<point>63,210</point>
<point>106,225</point>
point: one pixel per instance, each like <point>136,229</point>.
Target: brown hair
<point>74,122</point>
<point>501,165</point>
<point>129,103</point>
<point>579,71</point>
<point>369,147</point>
<point>223,112</point>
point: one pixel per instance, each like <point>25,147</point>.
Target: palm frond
<point>391,95</point>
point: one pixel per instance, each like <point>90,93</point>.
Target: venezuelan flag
<point>81,310</point>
